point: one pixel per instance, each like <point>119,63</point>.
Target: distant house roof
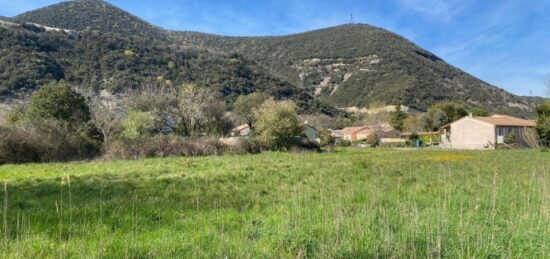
<point>366,130</point>
<point>500,120</point>
<point>352,130</point>
<point>309,126</point>
<point>422,133</point>
<point>336,133</point>
<point>505,120</point>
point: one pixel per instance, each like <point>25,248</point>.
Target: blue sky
<point>504,42</point>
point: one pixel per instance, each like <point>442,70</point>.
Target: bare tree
<point>106,120</point>
<point>201,111</point>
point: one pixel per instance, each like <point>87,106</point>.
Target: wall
<point>469,133</point>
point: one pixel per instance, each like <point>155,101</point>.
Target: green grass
<point>347,204</point>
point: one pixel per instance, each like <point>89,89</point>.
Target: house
<point>485,132</point>
<point>351,133</point>
<point>387,133</point>
<point>364,132</point>
<point>310,132</point>
<point>241,131</point>
<point>336,134</point>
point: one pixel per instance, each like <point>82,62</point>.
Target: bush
<point>58,101</point>
<point>245,146</point>
<point>47,141</point>
<point>137,124</point>
<point>510,139</point>
<point>344,143</point>
<point>276,124</point>
<point>372,140</point>
<point>163,146</point>
<point>299,144</point>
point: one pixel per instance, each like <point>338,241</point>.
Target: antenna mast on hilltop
<point>351,19</point>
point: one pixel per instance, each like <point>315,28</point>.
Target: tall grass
<point>347,204</point>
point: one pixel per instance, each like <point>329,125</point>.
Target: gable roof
<point>505,120</point>
<point>309,126</point>
<point>367,130</point>
<point>352,130</point>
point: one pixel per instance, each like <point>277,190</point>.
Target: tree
<point>443,113</point>
<point>276,123</point>
<point>479,112</point>
<point>58,101</point>
<point>325,137</point>
<point>397,118</point>
<point>159,100</point>
<point>201,111</point>
<point>414,123</point>
<point>107,122</point>
<point>138,124</point>
<point>246,104</point>
<point>543,122</point>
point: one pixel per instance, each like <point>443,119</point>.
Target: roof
<point>421,133</point>
<point>336,133</point>
<point>505,120</point>
<point>307,125</point>
<point>367,130</point>
<point>351,130</point>
<point>241,127</point>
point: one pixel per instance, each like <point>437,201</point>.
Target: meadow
<point>351,203</point>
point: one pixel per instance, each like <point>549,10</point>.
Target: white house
<point>485,132</point>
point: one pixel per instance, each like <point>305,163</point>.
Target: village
<point>469,132</point>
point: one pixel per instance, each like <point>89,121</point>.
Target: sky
<point>503,42</point>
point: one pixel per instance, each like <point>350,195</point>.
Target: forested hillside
<point>343,66</point>
<point>92,15</point>
<point>30,57</point>
<point>355,65</point>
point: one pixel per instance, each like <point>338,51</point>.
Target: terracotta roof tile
<point>505,120</point>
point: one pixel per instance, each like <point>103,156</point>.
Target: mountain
<point>91,15</point>
<point>356,65</point>
<point>32,56</point>
<point>352,65</point>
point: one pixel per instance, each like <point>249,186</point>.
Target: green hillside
<point>95,61</point>
<point>355,65</point>
<point>92,15</point>
<point>342,66</point>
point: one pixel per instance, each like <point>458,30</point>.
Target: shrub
<point>58,101</point>
<point>372,140</point>
<point>510,139</point>
<point>276,124</point>
<point>162,146</point>
<point>300,144</point>
<point>137,124</point>
<point>47,141</point>
<point>543,122</point>
<point>326,137</point>
<point>344,143</point>
<point>245,146</point>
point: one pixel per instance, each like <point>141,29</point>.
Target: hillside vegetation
<point>356,65</point>
<point>349,204</point>
<point>93,61</point>
<point>91,15</point>
<point>343,66</point>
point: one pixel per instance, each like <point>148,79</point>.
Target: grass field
<point>347,204</point>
